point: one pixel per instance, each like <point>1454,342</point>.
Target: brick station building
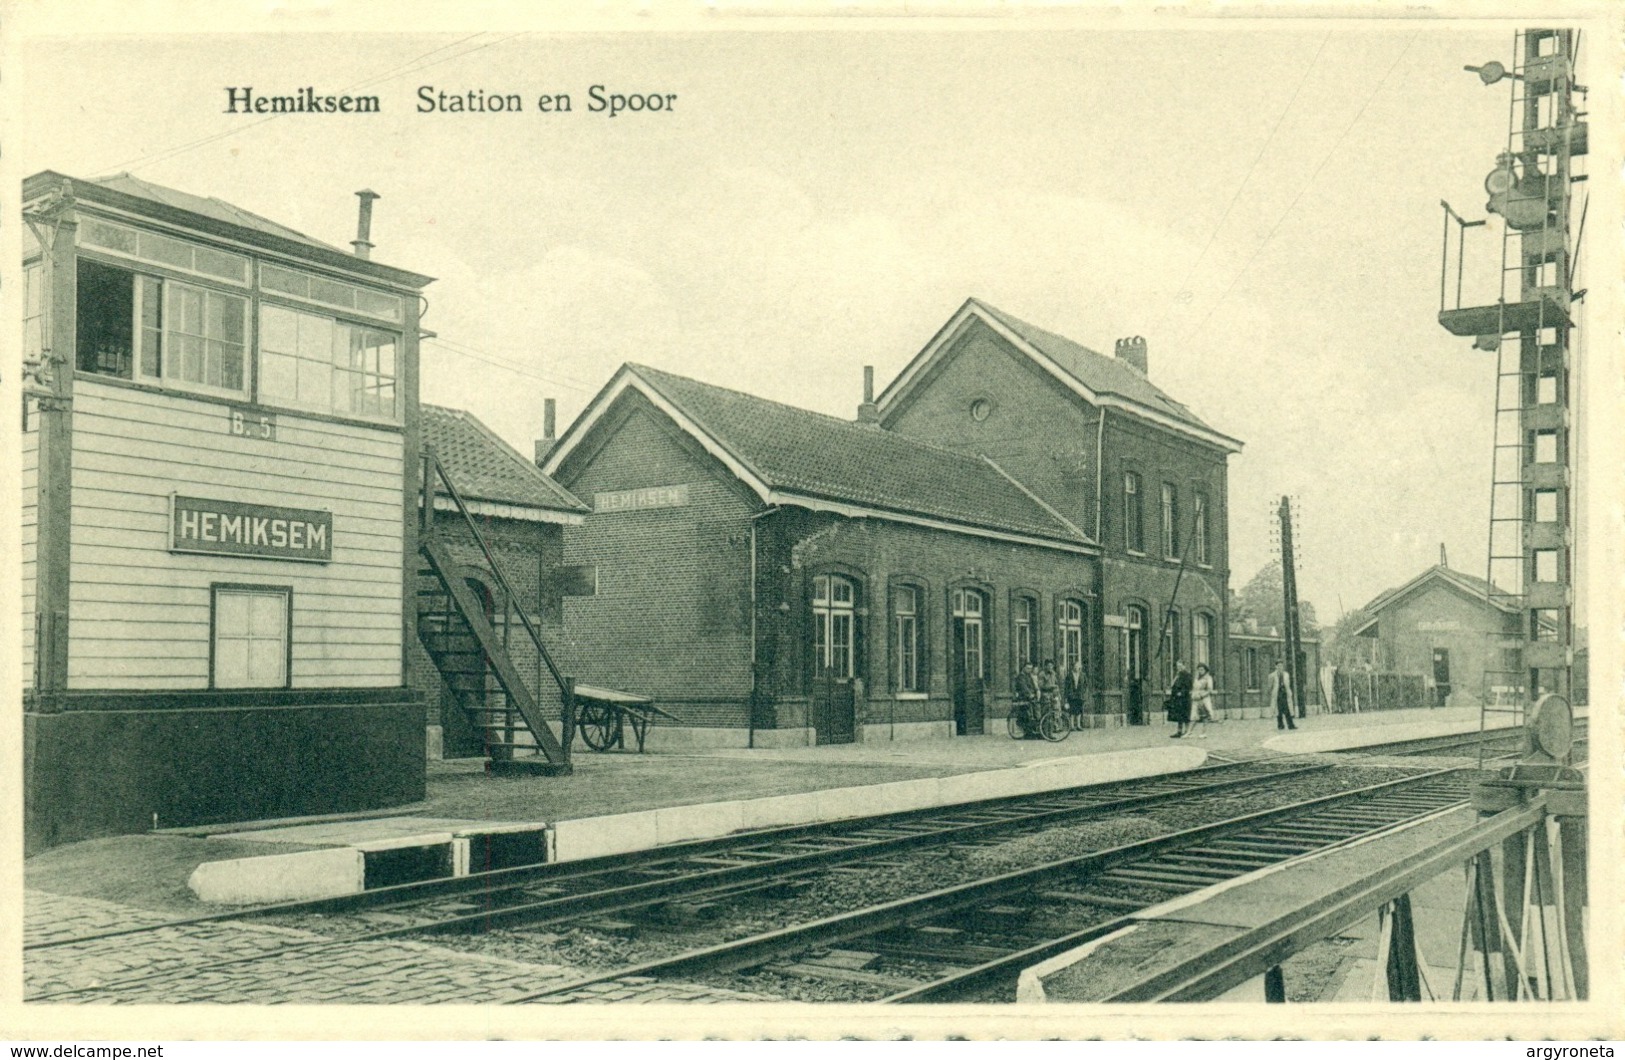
<point>776,576</point>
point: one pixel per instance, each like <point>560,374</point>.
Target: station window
<point>135,326</point>
<point>251,626</point>
<point>324,365</point>
<point>969,612</point>
<point>1250,667</point>
<point>1199,527</point>
<point>1170,647</point>
<point>1134,642</point>
<point>906,630</point>
<point>834,610</point>
<point>1545,506</point>
<point>1070,629</point>
<point>1026,615</point>
<point>1170,522</point>
<point>1202,639</point>
<point>1133,514</point>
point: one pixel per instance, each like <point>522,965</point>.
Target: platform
<point>622,802</point>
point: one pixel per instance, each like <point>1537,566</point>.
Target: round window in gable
<point>980,409</point>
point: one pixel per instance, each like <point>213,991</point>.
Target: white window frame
<point>338,326</point>
<point>906,600</point>
<point>1199,526</point>
<point>1070,626</point>
<point>1170,522</point>
<point>251,636</point>
<point>834,609</point>
<point>166,356</point>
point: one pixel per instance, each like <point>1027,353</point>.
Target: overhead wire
<point>509,365</point>
<point>1225,216</point>
<point>1239,273</point>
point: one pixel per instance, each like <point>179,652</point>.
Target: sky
<point>1260,201</point>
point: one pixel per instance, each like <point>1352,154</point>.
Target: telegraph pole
<point>1289,607</point>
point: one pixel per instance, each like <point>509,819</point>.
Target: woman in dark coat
<point>1179,700</point>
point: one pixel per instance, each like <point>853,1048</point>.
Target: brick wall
<point>671,618</point>
<point>878,556</point>
<point>1046,437</point>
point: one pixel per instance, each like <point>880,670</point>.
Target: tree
<point>1342,648</point>
<point>1261,601</point>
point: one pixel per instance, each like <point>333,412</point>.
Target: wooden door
<point>967,665</point>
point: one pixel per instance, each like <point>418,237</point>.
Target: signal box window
<point>325,365</point>
<point>1545,506</point>
<point>251,634</point>
<point>1544,623</point>
<point>162,331</point>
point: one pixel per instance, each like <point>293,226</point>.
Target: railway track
<point>1490,745</point>
<point>970,941</point>
<point>695,884</point>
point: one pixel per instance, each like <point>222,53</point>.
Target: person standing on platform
<point>1202,700</point>
<point>1049,688</point>
<point>1280,693</point>
<point>1073,691</point>
<point>1027,695</point>
<point>1179,700</point>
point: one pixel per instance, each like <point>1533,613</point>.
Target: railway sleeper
<point>1182,870</point>
<point>1241,864</point>
<point>802,970</point>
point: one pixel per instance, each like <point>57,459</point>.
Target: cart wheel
<point>599,726</point>
<point>1014,722</point>
<point>1052,726</point>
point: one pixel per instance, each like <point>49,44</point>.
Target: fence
<point>1360,692</point>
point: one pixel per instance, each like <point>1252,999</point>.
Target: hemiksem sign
<point>226,528</point>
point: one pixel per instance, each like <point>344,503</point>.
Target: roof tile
<point>484,467</point>
<point>796,450</point>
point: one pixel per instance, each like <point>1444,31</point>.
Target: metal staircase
<point>474,657</point>
<point>1531,330</point>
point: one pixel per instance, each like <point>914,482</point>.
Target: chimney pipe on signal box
<point>544,444</point>
<point>869,412</point>
<point>363,228</point>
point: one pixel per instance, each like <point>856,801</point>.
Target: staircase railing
<point>434,471</point>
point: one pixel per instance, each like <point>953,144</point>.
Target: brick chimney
<point>869,412</point>
<point>545,444</point>
<point>1132,352</point>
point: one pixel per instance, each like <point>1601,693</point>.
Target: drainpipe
<point>1100,469</point>
<point>755,677</point>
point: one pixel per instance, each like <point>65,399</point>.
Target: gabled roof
<point>792,456</point>
<point>218,209</point>
<point>491,474</point>
<point>217,217</point>
<point>1477,588</point>
<point>1098,379</point>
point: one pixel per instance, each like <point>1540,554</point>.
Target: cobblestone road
<point>273,965</point>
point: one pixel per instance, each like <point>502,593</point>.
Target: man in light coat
<point>1280,693</point>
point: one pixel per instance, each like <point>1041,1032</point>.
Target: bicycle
<point>1051,722</point>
